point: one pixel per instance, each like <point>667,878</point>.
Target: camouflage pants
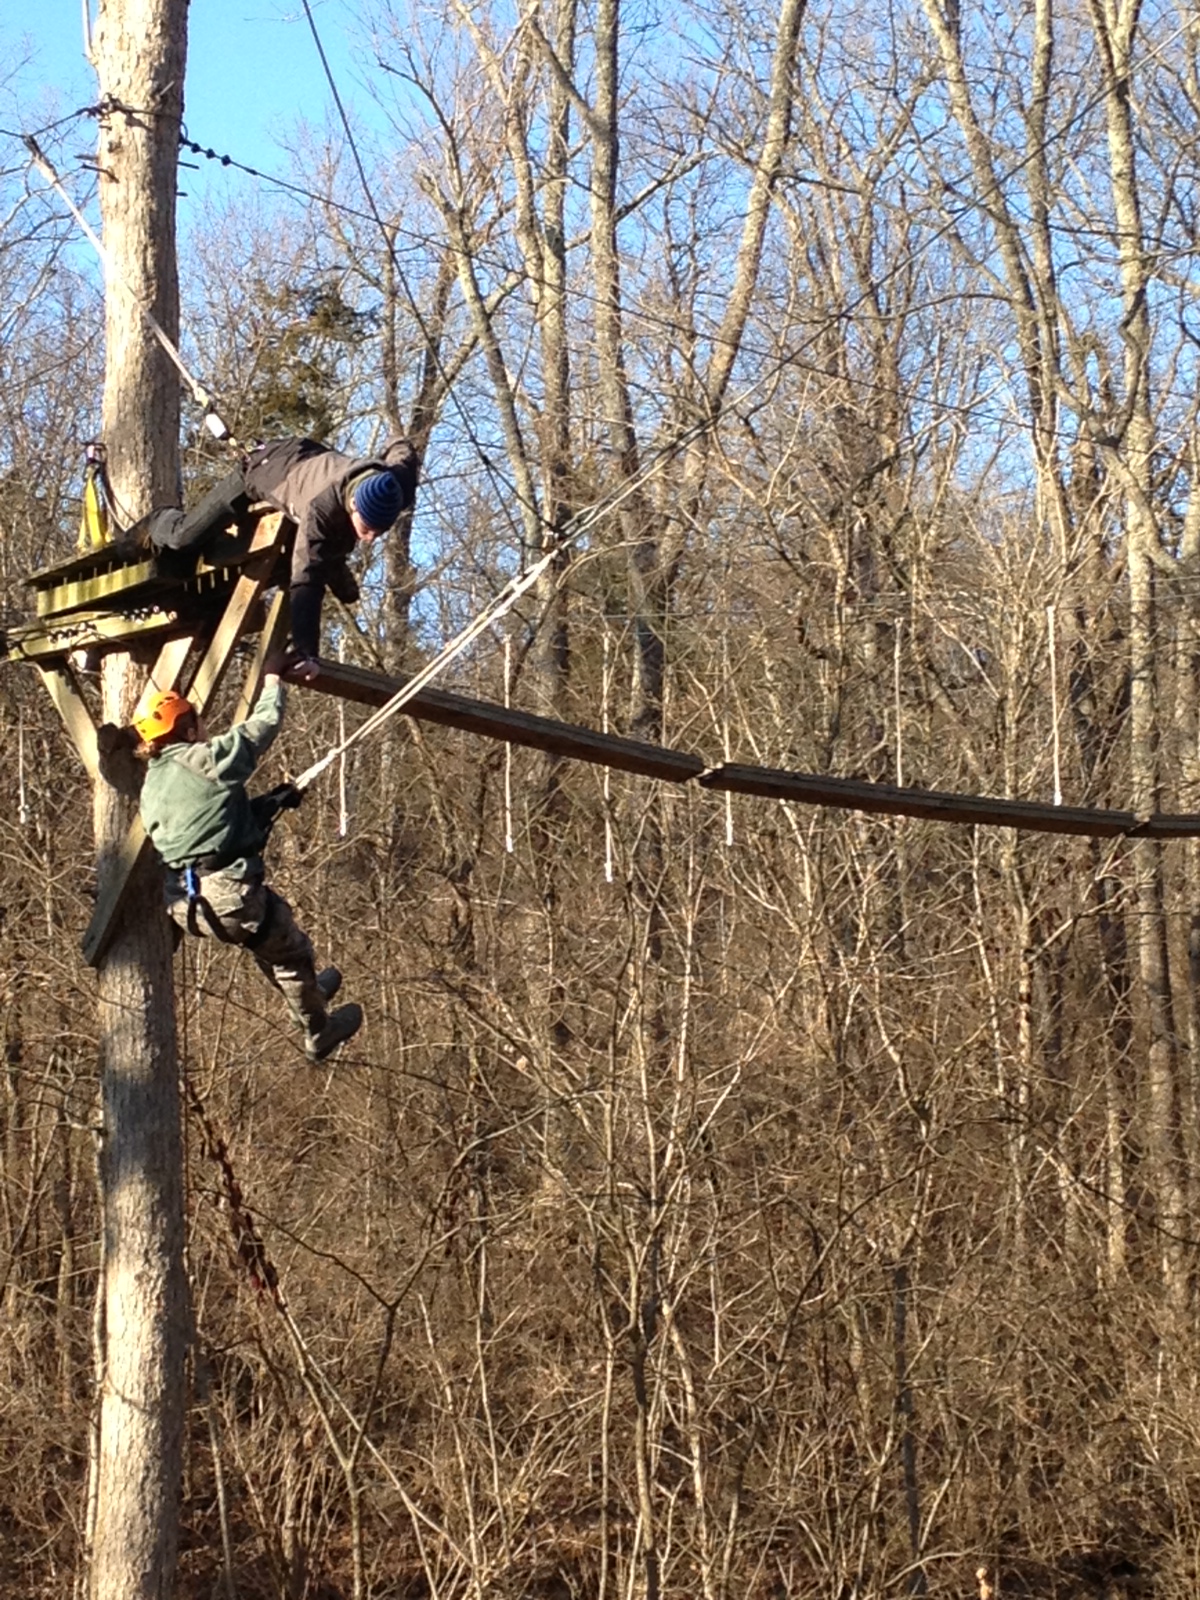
<point>250,914</point>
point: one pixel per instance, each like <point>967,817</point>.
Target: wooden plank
<point>63,686</point>
<point>515,727</point>
<point>110,903</point>
<point>80,631</point>
<point>201,692</point>
<point>246,593</point>
<point>271,640</point>
<point>102,578</point>
<point>172,658</point>
<point>135,847</point>
<point>126,583</point>
<point>853,794</point>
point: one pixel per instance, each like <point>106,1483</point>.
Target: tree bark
<point>1133,455</point>
<point>140,58</point>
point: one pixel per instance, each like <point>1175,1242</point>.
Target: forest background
<point>724,1198</point>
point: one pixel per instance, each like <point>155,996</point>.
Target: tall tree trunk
<point>140,58</point>
<point>1133,460</point>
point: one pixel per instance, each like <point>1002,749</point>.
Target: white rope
<point>492,612</point>
<point>605,686</point>
<point>508,818</point>
<point>728,696</point>
<point>1053,653</point>
<point>22,802</point>
<point>343,811</point>
<point>896,699</point>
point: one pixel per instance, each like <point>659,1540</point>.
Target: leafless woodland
<point>724,1200</point>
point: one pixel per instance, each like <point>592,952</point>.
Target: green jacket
<point>194,801</point>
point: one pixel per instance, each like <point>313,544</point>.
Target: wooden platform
<point>107,598</point>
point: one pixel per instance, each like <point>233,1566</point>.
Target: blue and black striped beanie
<point>379,500</point>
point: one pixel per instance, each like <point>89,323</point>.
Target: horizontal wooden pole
<point>853,794</point>
<point>515,727</point>
<point>676,766</point>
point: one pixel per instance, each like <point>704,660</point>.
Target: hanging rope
<point>509,844</point>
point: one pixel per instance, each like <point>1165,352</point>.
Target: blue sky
<point>253,73</point>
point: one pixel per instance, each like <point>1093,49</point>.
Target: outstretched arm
<point>236,753</point>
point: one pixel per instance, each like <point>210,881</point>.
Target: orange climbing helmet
<point>162,711</point>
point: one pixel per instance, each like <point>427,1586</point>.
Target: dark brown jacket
<point>312,485</point>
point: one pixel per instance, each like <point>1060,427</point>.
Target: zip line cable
<point>776,365</point>
<point>654,320</point>
<point>793,359</point>
<point>200,394</point>
<point>501,604</point>
<point>578,525</point>
<point>431,346</point>
<point>492,612</point>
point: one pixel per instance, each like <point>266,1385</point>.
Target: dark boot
<point>301,988</point>
<point>135,541</point>
<point>343,1024</point>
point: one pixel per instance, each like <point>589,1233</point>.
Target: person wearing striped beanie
<point>337,502</point>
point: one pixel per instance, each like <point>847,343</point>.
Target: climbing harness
<point>198,906</point>
<point>266,809</point>
<point>97,517</point>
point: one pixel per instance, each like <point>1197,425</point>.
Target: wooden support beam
<point>247,591</point>
<point>271,641</point>
<point>63,686</point>
<point>201,691</point>
<point>169,665</point>
<point>516,727</point>
<point>852,794</point>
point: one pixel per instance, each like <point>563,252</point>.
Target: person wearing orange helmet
<point>210,835</point>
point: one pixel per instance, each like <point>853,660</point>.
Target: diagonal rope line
<point>502,603</point>
<point>499,480</point>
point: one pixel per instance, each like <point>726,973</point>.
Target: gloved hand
<point>283,797</point>
<point>118,764</point>
<point>110,737</point>
<point>301,669</point>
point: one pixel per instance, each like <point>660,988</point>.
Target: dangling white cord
<point>508,822</point>
<point>725,734</point>
<point>22,804</point>
<point>343,813</point>
<point>896,699</point>
<point>608,835</point>
<point>1054,704</point>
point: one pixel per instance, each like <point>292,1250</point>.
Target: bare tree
<point>140,53</point>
